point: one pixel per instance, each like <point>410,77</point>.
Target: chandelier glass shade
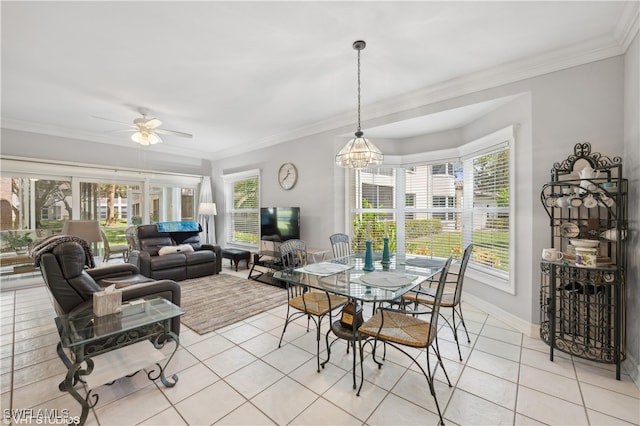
<point>359,152</point>
<point>146,138</point>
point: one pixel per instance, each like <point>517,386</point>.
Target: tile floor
<point>237,375</point>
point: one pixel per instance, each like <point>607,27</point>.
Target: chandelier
<point>359,152</point>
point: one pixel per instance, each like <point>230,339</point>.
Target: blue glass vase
<point>368,257</point>
<point>385,252</point>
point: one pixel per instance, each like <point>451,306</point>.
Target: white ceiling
<point>239,75</point>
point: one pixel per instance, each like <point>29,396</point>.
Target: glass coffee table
<point>125,343</point>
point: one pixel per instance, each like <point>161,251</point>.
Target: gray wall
<point>631,168</point>
<point>35,145</point>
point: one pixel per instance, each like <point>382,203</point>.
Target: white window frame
<point>229,180</point>
<point>501,139</point>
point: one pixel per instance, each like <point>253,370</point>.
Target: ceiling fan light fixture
<point>359,152</point>
<point>146,138</point>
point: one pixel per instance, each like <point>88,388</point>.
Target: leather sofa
<point>72,286</point>
<point>205,259</point>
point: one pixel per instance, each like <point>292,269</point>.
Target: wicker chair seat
<point>316,303</point>
<point>399,328</point>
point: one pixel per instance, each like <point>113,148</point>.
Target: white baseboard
<point>525,327</point>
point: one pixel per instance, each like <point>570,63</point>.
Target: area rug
<point>218,300</point>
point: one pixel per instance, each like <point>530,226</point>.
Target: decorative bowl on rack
<point>585,243</point>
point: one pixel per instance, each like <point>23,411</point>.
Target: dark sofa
<point>205,259</point>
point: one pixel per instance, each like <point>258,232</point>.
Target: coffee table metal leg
<point>159,343</point>
<point>72,374</point>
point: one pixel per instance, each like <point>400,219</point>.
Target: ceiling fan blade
<point>173,132</point>
<point>109,119</point>
<point>153,123</point>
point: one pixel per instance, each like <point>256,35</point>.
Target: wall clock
<point>287,176</point>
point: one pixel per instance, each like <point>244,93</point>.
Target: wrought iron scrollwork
<point>582,151</point>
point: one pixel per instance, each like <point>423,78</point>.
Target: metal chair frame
<point>116,249</point>
<point>311,304</point>
<point>426,343</point>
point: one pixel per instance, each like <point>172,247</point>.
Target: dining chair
<point>340,245</point>
<point>450,299</point>
<point>398,327</point>
<point>315,305</point>
<point>121,249</point>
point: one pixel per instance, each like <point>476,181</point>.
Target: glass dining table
<point>345,276</point>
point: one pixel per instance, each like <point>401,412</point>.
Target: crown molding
<point>579,54</point>
<point>628,26</point>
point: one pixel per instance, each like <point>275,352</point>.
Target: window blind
<point>243,216</point>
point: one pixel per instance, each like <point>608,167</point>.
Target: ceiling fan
<point>145,130</point>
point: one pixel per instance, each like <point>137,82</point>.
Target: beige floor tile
<point>611,403</point>
<point>241,334</point>
<point>121,388</point>
<point>190,381</point>
<point>288,358</point>
<point>495,365</point>
<point>605,379</point>
<point>489,387</point>
<point>35,357</point>
<point>324,412</point>
<point>414,387</point>
<point>307,376</point>
<point>209,347</point>
<point>229,361</point>
<point>467,409</point>
<point>267,322</point>
<point>136,407</point>
<point>47,340</point>
<point>254,378</point>
<point>189,337</point>
<point>560,365</point>
<point>246,414</point>
<point>211,404</point>
<point>507,335</point>
<point>549,383</point>
<point>397,411</point>
<point>261,345</point>
<point>498,348</point>
<point>549,409</point>
<point>65,405</point>
<point>181,360</point>
<point>38,393</point>
<point>51,368</point>
<point>168,417</point>
<point>344,396</point>
<point>597,418</point>
<point>297,396</point>
<point>525,421</point>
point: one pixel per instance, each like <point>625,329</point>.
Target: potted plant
<point>17,241</point>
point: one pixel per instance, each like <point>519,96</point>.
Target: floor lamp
<point>207,209</point>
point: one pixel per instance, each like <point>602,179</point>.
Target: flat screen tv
<point>279,223</point>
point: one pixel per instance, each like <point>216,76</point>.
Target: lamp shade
<point>146,138</point>
<point>207,209</point>
<point>88,230</point>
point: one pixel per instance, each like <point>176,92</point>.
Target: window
<point>242,194</point>
<point>443,207</point>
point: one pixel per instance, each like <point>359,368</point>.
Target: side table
<point>90,338</point>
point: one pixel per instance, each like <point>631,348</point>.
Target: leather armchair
<point>205,259</point>
<point>72,286</point>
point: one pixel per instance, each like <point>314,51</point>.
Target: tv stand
<point>267,263</point>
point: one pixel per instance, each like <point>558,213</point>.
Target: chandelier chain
<point>359,90</point>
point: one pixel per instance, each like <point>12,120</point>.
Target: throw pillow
<point>175,249</point>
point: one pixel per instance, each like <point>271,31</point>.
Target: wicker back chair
<point>397,327</point>
<point>315,305</point>
<point>450,299</point>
